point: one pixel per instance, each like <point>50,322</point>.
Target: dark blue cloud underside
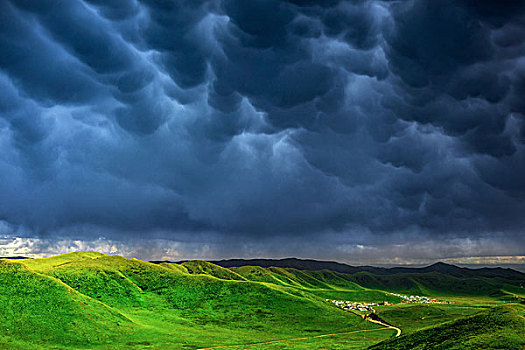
<point>263,117</point>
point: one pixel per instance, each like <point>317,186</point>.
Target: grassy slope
<point>365,286</point>
<point>164,302</point>
<point>324,284</point>
<point>433,283</point>
<point>469,295</point>
<point>37,309</point>
<point>414,317</point>
<point>206,268</point>
<point>58,260</point>
<point>112,302</point>
<point>371,287</point>
<point>500,327</point>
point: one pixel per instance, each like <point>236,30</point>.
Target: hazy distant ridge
<point>315,265</point>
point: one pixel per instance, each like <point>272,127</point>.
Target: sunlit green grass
<point>414,317</point>
<point>88,300</point>
<point>500,327</point>
<point>133,302</point>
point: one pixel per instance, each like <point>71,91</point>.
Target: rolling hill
<point>315,265</point>
<point>500,327</point>
<point>41,309</point>
<point>438,279</point>
<point>92,300</point>
<point>89,298</point>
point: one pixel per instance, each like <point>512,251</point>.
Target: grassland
<point>500,327</point>
<point>88,300</point>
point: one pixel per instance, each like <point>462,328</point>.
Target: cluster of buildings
<point>368,307</point>
<point>417,299</point>
<point>349,305</point>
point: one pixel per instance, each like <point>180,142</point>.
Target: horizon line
<point>493,261</point>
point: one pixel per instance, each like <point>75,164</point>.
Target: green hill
<point>58,260</point>
<point>104,278</point>
<point>438,278</point>
<point>88,298</point>
<point>324,284</point>
<point>91,300</point>
<point>498,273</point>
<point>369,287</point>
<point>206,268</point>
<point>414,317</point>
<point>500,327</point>
<point>39,309</point>
<point>435,283</point>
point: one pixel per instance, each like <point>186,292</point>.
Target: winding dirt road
<point>386,325</point>
<point>398,330</point>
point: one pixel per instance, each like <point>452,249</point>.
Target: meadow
<point>88,300</point>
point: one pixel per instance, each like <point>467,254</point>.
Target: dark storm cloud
<point>263,118</point>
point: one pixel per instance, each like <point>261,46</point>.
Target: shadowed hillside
<point>499,273</point>
<point>438,279</point>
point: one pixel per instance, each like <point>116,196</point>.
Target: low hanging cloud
<point>263,119</point>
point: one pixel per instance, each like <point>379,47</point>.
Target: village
<point>363,307</point>
<point>417,299</point>
<point>369,307</point>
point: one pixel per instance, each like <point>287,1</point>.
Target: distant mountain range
<point>315,265</point>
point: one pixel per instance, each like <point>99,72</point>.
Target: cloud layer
<point>263,119</point>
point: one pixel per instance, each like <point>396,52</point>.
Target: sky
<point>362,131</point>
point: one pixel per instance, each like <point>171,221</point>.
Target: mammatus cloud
<point>332,121</point>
